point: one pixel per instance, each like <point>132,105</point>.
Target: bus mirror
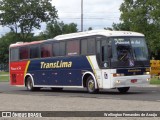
<point>109,51</point>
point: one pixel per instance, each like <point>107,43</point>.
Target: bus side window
<point>91,46</point>
<point>46,50</point>
<point>14,54</point>
<point>73,47</point>
<point>55,49</point>
<point>59,49</point>
<point>98,51</point>
<point>88,46</point>
<point>24,53</point>
<point>84,46</point>
<point>104,53</point>
<point>34,51</point>
<point>62,48</point>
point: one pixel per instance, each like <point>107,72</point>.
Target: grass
<point>4,76</point>
<point>155,81</point>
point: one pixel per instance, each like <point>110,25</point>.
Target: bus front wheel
<point>123,89</point>
<point>91,85</point>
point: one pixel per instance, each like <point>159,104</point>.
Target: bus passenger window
<point>59,49</point>
<point>84,47</point>
<point>24,53</point>
<point>34,52</point>
<point>14,54</point>
<point>55,49</point>
<point>46,50</point>
<point>73,47</point>
<point>62,51</point>
<point>91,46</point>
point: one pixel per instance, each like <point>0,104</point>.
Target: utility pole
<point>81,15</point>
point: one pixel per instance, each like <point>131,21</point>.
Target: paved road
<point>138,99</point>
<point>136,93</point>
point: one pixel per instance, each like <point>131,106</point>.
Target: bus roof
<point>25,43</point>
<point>97,32</point>
<point>82,34</point>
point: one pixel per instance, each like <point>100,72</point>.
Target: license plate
<point>133,80</point>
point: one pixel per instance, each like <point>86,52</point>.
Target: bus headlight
<point>118,81</point>
<point>117,75</point>
<point>146,73</point>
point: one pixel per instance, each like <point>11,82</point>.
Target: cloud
<point>97,13</point>
<point>3,30</point>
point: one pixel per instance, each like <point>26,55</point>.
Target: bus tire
<point>29,85</point>
<point>90,84</point>
<point>123,89</point>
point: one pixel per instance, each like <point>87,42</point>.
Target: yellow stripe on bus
<point>89,60</point>
<point>26,68</point>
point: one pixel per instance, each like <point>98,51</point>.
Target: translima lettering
<point>58,64</point>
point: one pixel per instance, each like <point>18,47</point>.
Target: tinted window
<point>84,47</point>
<point>59,49</point>
<point>14,54</point>
<point>24,53</point>
<point>104,53</point>
<point>98,47</point>
<point>46,50</point>
<point>55,49</point>
<point>91,45</point>
<point>62,50</point>
<point>88,46</point>
<point>34,52</point>
<point>73,47</point>
<point>104,50</point>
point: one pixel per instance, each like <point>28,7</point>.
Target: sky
<point>98,14</point>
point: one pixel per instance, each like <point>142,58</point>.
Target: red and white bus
<point>96,60</point>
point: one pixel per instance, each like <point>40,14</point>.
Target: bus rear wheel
<point>29,85</point>
<point>91,85</point>
<point>123,89</point>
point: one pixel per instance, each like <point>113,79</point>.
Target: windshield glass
<point>126,51</point>
<point>140,51</point>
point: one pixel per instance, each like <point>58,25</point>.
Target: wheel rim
<point>91,85</point>
<point>29,85</point>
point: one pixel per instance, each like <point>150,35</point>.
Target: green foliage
<point>59,28</point>
<point>5,41</point>
<point>142,16</point>
<point>90,28</point>
<point>24,15</point>
<point>51,31</point>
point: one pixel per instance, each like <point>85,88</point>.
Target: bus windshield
<point>127,51</point>
<point>140,50</point>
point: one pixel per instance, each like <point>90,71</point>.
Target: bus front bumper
<point>129,81</point>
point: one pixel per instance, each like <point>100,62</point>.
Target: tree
<point>24,15</point>
<point>142,16</point>
<point>108,28</point>
<point>5,41</point>
<point>59,28</point>
<point>121,26</point>
<point>90,28</point>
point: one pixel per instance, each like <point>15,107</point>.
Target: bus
<point>95,60</point>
